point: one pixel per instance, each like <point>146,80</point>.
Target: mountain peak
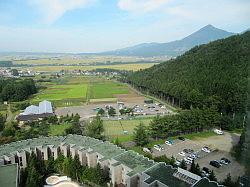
<point>209,26</point>
<point>205,35</point>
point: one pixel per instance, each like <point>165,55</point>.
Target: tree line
<point>38,170</point>
<point>214,74</point>
<point>37,128</point>
<point>187,121</point>
<point>16,89</point>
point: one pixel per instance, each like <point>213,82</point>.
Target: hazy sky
<point>99,25</point>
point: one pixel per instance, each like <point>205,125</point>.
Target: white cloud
<point>52,10</point>
<point>141,6</point>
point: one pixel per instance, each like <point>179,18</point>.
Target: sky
<point>103,25</point>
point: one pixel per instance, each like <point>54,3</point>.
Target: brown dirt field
<point>132,97</point>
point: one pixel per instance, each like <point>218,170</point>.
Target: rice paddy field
<point>75,91</point>
<point>128,67</point>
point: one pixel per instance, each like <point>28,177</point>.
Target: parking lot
<point>88,110</point>
<point>219,145</point>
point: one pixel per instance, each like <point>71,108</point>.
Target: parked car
<point>182,153</point>
<point>219,132</point>
<point>215,163</point>
<point>190,159</point>
<point>204,174</point>
<point>193,156</point>
<point>189,151</point>
<point>158,147</point>
<point>187,161</point>
<point>147,150</point>
<point>181,138</point>
<point>168,142</point>
<point>225,161</point>
<point>206,170</point>
<point>206,149</point>
<point>177,162</point>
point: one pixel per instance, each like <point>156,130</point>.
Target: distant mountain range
<point>203,36</point>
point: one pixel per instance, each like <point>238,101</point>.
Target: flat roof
<point>164,174</point>
<point>8,175</point>
<point>108,150</point>
<point>206,182</point>
<point>7,149</point>
<point>138,163</point>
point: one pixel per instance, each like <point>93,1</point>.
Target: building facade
<point>126,168</point>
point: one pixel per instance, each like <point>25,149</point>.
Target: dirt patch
<point>224,142</point>
<point>130,98</point>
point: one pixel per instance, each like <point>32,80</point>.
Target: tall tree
<point>95,128</point>
<point>141,137</point>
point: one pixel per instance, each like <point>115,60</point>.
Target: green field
<point>67,91</point>
<point>57,130</point>
<point>107,89</point>
<point>113,129</point>
<point>59,92</point>
<point>74,91</point>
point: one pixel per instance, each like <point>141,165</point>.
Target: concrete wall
<point>83,157</point>
<point>91,159</point>
<point>22,159</point>
<point>116,174</point>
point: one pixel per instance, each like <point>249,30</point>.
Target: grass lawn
<point>107,89</point>
<point>57,130</point>
<point>113,129</point>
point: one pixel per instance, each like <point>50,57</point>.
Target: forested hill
<point>211,74</point>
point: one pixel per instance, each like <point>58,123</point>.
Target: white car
<point>158,147</point>
<point>206,149</point>
<point>182,153</point>
<point>187,161</point>
<point>147,150</point>
<point>177,162</point>
<point>219,132</point>
<point>190,159</point>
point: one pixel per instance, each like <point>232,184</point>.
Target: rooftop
<point>206,182</point>
<point>164,174</point>
<point>8,175</point>
<point>7,149</point>
<point>43,108</point>
<point>80,141</point>
<point>134,161</point>
<point>108,150</point>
